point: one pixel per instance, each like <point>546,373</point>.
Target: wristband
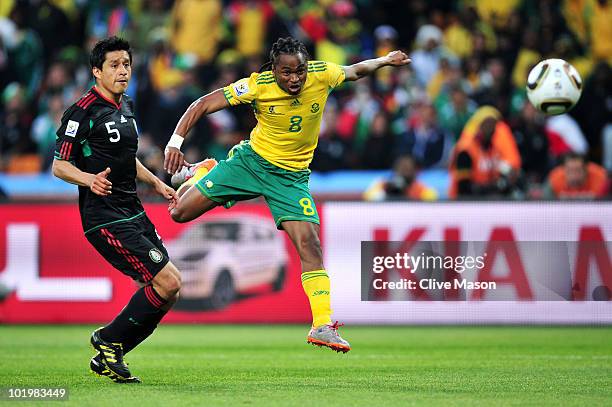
<point>175,141</point>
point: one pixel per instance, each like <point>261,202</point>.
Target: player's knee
<point>168,283</point>
<point>179,214</point>
<point>172,286</point>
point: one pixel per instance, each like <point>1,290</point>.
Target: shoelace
<point>335,326</point>
<point>119,357</point>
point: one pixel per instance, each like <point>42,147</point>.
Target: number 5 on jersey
<point>111,131</point>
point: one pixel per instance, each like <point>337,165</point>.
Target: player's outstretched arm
<point>367,67</point>
<point>143,174</point>
<point>98,183</point>
<point>207,104</point>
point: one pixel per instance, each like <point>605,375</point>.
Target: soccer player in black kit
<point>96,150</point>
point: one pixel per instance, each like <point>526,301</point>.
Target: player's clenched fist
<point>173,160</point>
<point>100,185</point>
<point>398,58</point>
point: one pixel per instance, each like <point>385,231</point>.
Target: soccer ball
<point>554,86</point>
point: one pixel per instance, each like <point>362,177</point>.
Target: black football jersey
<point>96,133</point>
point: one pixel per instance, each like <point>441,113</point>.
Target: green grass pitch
<point>273,366</point>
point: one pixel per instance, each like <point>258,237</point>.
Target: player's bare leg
<point>168,283</point>
<point>190,205</point>
<point>305,238</point>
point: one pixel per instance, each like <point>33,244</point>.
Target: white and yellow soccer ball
<point>554,86</point>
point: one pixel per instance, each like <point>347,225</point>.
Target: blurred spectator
<point>52,26</point>
<point>474,73</point>
<point>169,105</point>
<point>332,150</point>
<point>44,127</point>
<point>152,18</point>
<point>379,146</point>
<point>249,19</point>
<point>341,45</point>
<point>425,141</point>
<point>508,40</point>
<point>531,139</point>
<point>25,52</point>
<point>527,57</point>
<point>196,28</point>
<point>15,122</point>
<point>454,110</point>
<point>58,81</point>
<point>486,161</point>
<point>426,58</point>
<point>457,36</point>
<point>164,71</point>
<point>575,16</point>
<point>484,45</point>
<point>601,30</point>
<point>594,109</point>
<point>356,117</point>
<point>494,89</point>
<point>577,178</point>
<point>565,47</point>
<point>386,38</point>
<point>107,18</point>
<point>447,73</point>
<point>495,12</point>
<point>401,185</point>
<point>311,17</point>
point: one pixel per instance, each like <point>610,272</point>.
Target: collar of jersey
<point>112,102</point>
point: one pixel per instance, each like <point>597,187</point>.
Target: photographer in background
<point>577,178</point>
<point>486,162</point>
<point>402,185</point>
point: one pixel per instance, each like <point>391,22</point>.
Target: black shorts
<point>132,247</point>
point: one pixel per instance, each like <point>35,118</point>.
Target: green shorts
<point>246,175</point>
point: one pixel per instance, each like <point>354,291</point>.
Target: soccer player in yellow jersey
<point>288,102</point>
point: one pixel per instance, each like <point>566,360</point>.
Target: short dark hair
<point>572,155</point>
<point>287,45</point>
<point>98,53</point>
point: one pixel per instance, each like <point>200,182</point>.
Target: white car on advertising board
<point>222,256</point>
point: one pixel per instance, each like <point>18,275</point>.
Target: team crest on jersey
<point>209,184</point>
<point>155,255</point>
<point>71,128</point>
<point>314,108</point>
<point>241,88</point>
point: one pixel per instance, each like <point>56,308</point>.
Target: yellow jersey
<point>287,128</point>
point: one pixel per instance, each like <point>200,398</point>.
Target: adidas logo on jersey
<point>123,119</point>
<point>296,102</point>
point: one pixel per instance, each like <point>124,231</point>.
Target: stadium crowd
<point>460,106</point>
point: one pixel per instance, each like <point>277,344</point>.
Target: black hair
<point>572,155</point>
<point>98,53</point>
<point>287,45</point>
